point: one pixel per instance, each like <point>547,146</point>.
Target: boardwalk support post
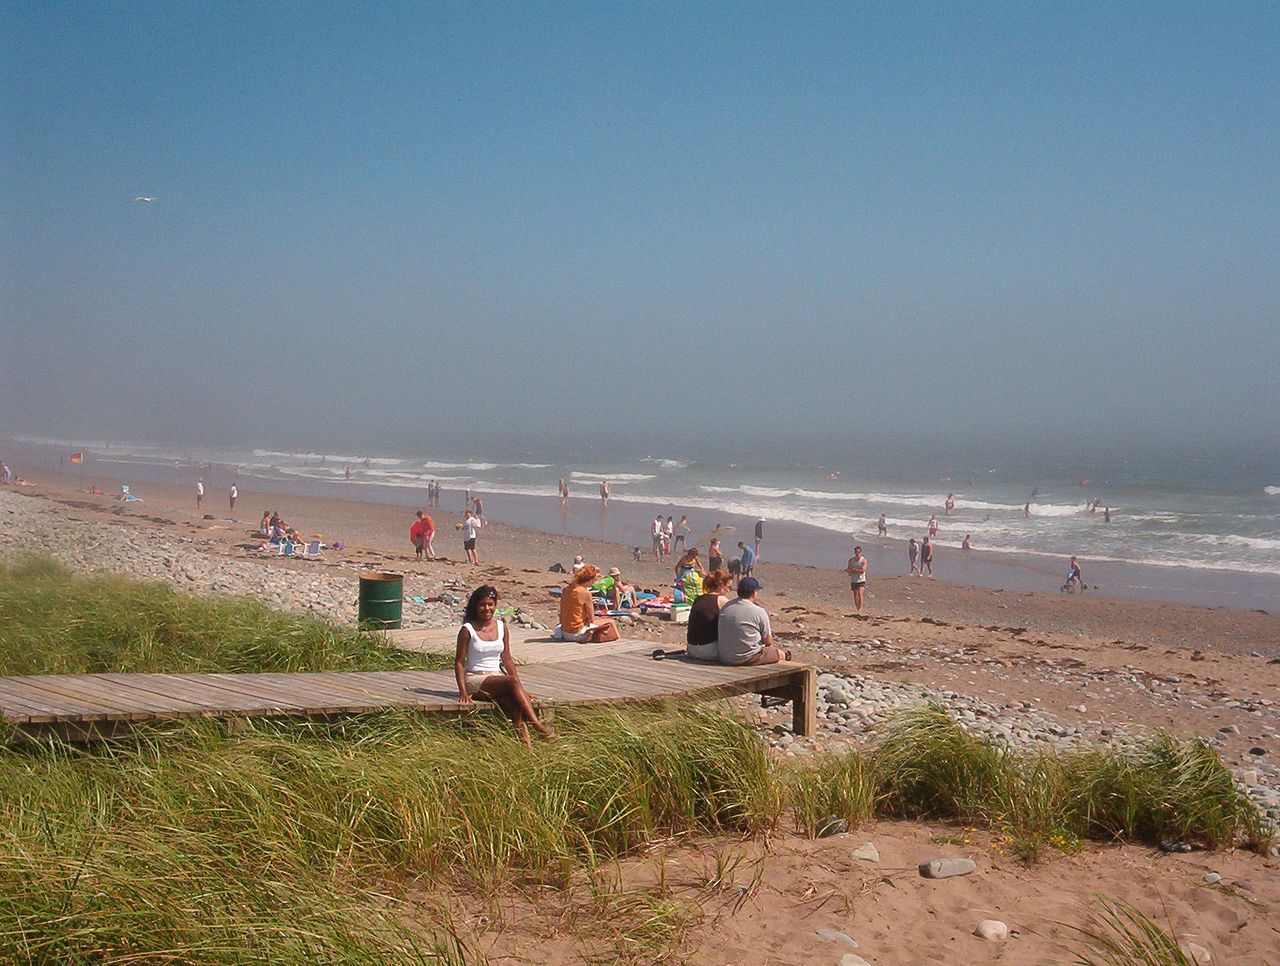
<point>804,704</point>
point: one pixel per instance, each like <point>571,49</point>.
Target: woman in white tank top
<point>485,668</point>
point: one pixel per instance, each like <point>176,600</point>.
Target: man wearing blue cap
<point>743,632</point>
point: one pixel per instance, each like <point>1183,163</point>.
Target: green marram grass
<point>54,622</point>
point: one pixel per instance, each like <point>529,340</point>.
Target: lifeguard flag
<point>77,457</point>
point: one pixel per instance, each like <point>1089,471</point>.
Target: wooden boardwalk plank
<point>609,677</point>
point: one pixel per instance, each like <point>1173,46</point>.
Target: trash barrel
<point>380,600</point>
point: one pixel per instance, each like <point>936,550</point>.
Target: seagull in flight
<point>143,200</point>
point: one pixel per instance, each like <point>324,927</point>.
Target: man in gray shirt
<point>743,632</point>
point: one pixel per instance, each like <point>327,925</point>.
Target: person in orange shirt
<point>577,611</point>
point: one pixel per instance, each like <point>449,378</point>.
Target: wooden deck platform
<point>85,705</point>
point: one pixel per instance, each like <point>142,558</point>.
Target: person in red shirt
<point>421,534</point>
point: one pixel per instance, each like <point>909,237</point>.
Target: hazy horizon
<point>755,229</point>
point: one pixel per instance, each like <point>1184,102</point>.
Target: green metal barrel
<point>381,595</point>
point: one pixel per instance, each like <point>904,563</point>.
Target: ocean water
<point>1170,513</point>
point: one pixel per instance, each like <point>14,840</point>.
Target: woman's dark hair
<point>483,592</point>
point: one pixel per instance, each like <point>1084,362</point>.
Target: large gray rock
<point>946,867</point>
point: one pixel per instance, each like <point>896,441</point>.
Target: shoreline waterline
<point>626,523</point>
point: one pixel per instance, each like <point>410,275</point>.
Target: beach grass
<point>1121,935</point>
<point>55,622</point>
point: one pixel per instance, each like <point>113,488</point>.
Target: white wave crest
<point>1271,490</point>
<point>581,475</point>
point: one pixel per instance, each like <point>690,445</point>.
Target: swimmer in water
<point>1026,510</point>
<point>964,544</point>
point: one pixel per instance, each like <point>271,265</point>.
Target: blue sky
<point>384,222</point>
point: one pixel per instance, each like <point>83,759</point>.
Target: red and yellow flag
<point>77,457</point>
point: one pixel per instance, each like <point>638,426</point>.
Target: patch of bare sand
<point>774,901</point>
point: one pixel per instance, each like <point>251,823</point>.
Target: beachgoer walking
<point>913,553</point>
<point>748,560</point>
<point>232,495</point>
<point>759,538</point>
<point>926,557</point>
<point>743,633</point>
<point>883,526</point>
<point>857,571</point>
<point>485,669</point>
<point>668,535</point>
<point>578,613</point>
<point>199,493</point>
<point>657,532</point>
<point>563,490</point>
<point>479,505</point>
<point>682,533</point>
<point>604,492</point>
<point>1075,578</point>
<point>933,525</point>
<point>470,527</point>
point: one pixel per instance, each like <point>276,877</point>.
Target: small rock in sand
<point>831,825</point>
<point>853,959</point>
<point>838,937</point>
<point>946,867</point>
<point>867,853</point>
<point>992,930</point>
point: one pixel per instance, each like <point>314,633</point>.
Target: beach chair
<point>288,549</point>
<point>314,550</point>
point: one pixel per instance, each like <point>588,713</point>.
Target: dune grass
<point>54,622</point>
<point>928,767</point>
<point>1121,935</point>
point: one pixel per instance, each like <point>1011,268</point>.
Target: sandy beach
<point>1029,669</point>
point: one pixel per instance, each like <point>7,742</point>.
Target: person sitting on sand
<point>264,528</point>
<point>578,614</point>
<point>620,594</point>
<point>689,574</point>
<point>700,636</point>
<point>743,633</point>
<point>484,666</point>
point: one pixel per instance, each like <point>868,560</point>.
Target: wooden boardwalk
<point>85,705</point>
